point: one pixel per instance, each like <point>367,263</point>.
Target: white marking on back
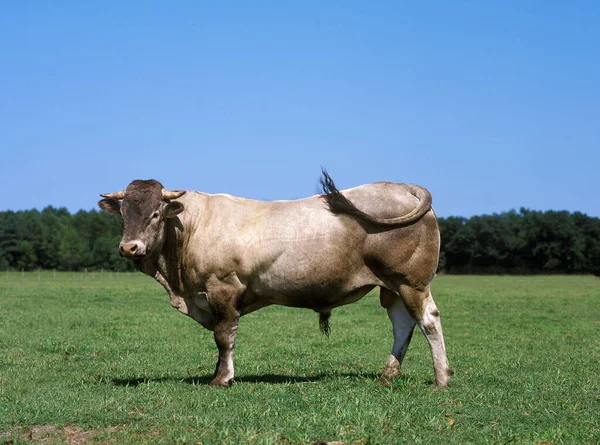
<point>233,198</point>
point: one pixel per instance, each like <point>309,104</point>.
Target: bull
<point>220,257</point>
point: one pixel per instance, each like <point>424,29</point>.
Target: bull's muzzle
<point>135,249</point>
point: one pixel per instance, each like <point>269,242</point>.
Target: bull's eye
<point>155,215</point>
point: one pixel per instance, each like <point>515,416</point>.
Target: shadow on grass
<point>274,379</point>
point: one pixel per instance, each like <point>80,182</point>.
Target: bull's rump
<point>383,200</point>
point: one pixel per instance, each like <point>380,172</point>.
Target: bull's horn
<point>115,195</point>
<point>172,194</point>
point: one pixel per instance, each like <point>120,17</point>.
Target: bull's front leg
<point>223,297</point>
<point>176,301</point>
<point>225,333</point>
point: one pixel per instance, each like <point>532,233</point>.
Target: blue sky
<point>490,105</point>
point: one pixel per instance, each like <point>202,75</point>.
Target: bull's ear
<point>173,209</point>
<point>110,205</point>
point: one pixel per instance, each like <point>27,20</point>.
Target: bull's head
<point>144,207</point>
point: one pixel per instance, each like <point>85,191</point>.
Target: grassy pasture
<point>108,361</point>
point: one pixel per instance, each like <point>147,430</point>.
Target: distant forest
<point>523,242</point>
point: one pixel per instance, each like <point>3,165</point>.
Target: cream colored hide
<point>224,257</point>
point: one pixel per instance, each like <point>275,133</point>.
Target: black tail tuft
<point>336,201</point>
<point>327,184</point>
<point>324,322</point>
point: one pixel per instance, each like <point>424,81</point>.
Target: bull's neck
<point>169,258</point>
<point>166,265</point>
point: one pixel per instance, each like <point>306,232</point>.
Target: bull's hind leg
<point>421,306</point>
<point>402,325</point>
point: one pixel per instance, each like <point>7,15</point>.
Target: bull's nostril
<point>131,250</point>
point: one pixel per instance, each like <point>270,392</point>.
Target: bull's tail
<point>324,322</point>
<point>339,204</point>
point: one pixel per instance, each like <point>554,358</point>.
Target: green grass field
<point>109,361</point>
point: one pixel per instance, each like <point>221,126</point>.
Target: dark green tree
<point>27,258</point>
<point>9,240</point>
<point>52,233</point>
<point>71,250</point>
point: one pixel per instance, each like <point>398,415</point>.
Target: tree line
<point>523,242</point>
<point>514,242</point>
<point>56,239</point>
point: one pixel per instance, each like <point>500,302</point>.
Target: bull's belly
<point>316,276</point>
<point>322,300</point>
<point>310,291</point>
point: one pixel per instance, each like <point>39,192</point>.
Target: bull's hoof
<point>443,378</point>
<point>391,370</point>
<point>219,383</point>
<point>442,382</point>
<point>385,381</point>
